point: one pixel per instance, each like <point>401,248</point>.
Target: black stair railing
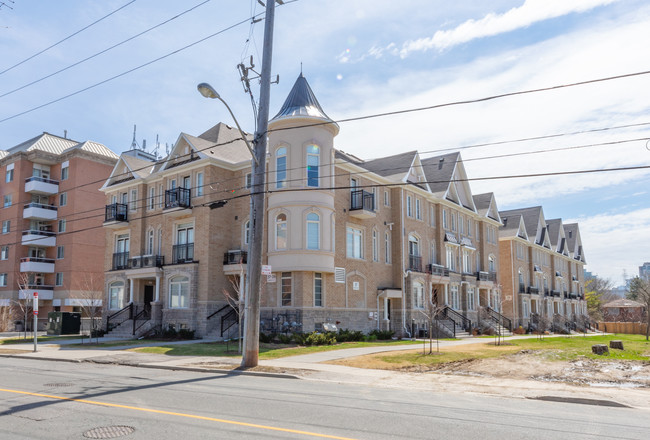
<point>140,318</point>
<point>499,318</point>
<point>228,320</point>
<point>458,319</point>
<point>119,317</point>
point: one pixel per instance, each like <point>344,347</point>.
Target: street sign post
<point>35,309</point>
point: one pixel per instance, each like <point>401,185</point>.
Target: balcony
<point>40,185</point>
<point>486,276</point>
<point>234,262</point>
<point>39,238</point>
<point>362,204</point>
<point>555,293</point>
<point>116,215</point>
<point>35,264</point>
<point>38,211</point>
<point>573,295</point>
<point>178,201</point>
<point>415,263</point>
<point>120,260</point>
<point>436,269</point>
<point>146,261</point>
<point>183,253</point>
<point>533,290</point>
<point>45,292</point>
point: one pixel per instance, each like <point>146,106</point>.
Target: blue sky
<point>364,57</point>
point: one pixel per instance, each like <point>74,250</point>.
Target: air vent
<point>339,274</point>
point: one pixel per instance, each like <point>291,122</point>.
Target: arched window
<point>492,267</point>
<point>281,231</point>
<point>179,292</point>
<point>281,167</point>
<point>313,231</point>
<point>247,232</point>
<point>116,295</point>
<point>313,162</point>
<point>414,246</point>
<point>418,295</point>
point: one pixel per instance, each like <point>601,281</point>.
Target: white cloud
<point>532,11</point>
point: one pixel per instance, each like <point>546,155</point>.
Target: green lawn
<point>20,340</point>
<point>267,351</point>
<point>559,348</point>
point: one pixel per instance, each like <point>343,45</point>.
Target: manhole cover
<point>109,432</point>
<point>58,385</point>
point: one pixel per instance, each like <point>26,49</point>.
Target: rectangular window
<point>7,201</point>
<point>10,176</point>
<point>3,279</point>
<point>60,252</point>
<point>432,215</point>
<point>286,289</point>
<point>318,289</point>
<point>461,224</point>
<point>471,305</point>
<point>6,226</point>
<point>63,199</point>
<point>161,192</point>
<point>418,211</point>
<point>64,172</point>
<point>4,253</point>
<point>133,205</point>
<point>469,227</point>
<point>199,184</point>
<point>59,279</point>
<point>387,246</point>
<point>453,221</point>
<point>450,258</point>
<point>179,295</point>
<point>354,242</point>
<point>409,208</point>
<point>249,180</point>
<point>375,246</point>
<point>455,300</point>
<point>444,219</point>
<point>62,224</point>
<point>386,198</point>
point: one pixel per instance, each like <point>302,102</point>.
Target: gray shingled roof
<point>510,224</point>
<point>222,142</point>
<point>571,237</point>
<point>301,101</point>
<point>482,202</point>
<point>554,231</point>
<point>391,165</point>
<point>531,218</point>
<point>623,302</point>
<point>439,171</point>
<point>141,168</point>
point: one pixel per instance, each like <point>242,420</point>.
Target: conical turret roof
<point>301,102</point>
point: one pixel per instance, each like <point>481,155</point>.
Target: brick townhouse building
<point>51,215</point>
<point>364,244</point>
<point>542,271</point>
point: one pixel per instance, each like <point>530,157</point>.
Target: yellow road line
<point>191,416</point>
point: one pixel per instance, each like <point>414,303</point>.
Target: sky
<point>366,57</point>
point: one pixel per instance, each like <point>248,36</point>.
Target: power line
<point>104,51</point>
<point>66,38</point>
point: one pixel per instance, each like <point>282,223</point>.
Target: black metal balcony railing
<point>436,269</point>
<point>37,260</point>
<point>39,287</point>
<point>120,260</point>
<point>555,293</point>
<point>547,292</point>
<point>146,261</point>
<point>183,253</point>
<point>533,290</point>
<point>235,257</point>
<point>486,276</point>
<point>41,179</point>
<point>39,232</point>
<point>178,198</point>
<point>415,263</point>
<point>573,295</point>
<point>40,205</point>
<point>361,199</point>
<point>117,212</point>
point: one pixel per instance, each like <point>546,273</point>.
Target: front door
<point>148,296</point>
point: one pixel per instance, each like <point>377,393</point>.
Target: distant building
<point>644,271</point>
<point>623,310</point>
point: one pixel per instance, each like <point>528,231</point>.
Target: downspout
<point>378,329</point>
<point>401,234</point>
<point>512,279</point>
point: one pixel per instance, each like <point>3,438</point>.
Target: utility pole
<point>250,357</point>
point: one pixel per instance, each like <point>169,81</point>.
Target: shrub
<point>186,334</point>
<point>316,338</point>
<point>169,333</point>
<point>349,335</point>
<point>284,338</point>
<point>266,339</point>
<point>382,335</point>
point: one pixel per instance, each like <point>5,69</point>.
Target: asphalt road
<point>60,400</point>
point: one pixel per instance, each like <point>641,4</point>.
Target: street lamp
<point>209,92</point>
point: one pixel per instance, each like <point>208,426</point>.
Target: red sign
<point>35,294</point>
<point>35,312</point>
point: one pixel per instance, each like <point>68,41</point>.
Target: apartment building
<point>361,244</point>
<point>51,215</point>
<point>542,272</point>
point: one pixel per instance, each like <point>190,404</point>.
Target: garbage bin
<point>63,323</point>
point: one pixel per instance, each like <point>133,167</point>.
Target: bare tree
<point>236,300</point>
<point>640,291</point>
<point>91,295</point>
<point>432,311</point>
<point>23,305</point>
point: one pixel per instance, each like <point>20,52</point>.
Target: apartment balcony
<point>178,201</point>
<point>486,276</point>
<point>120,260</point>
<point>362,204</point>
<point>555,293</point>
<point>437,270</point>
<point>146,261</point>
<point>39,238</point>
<point>183,253</point>
<point>116,215</point>
<point>415,263</point>
<point>34,264</point>
<point>45,292</point>
<point>38,211</point>
<point>40,185</point>
<point>533,290</point>
<point>573,295</point>
<point>235,262</point>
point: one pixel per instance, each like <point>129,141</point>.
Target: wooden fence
<point>630,328</point>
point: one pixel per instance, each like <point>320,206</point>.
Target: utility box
<point>63,323</point>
